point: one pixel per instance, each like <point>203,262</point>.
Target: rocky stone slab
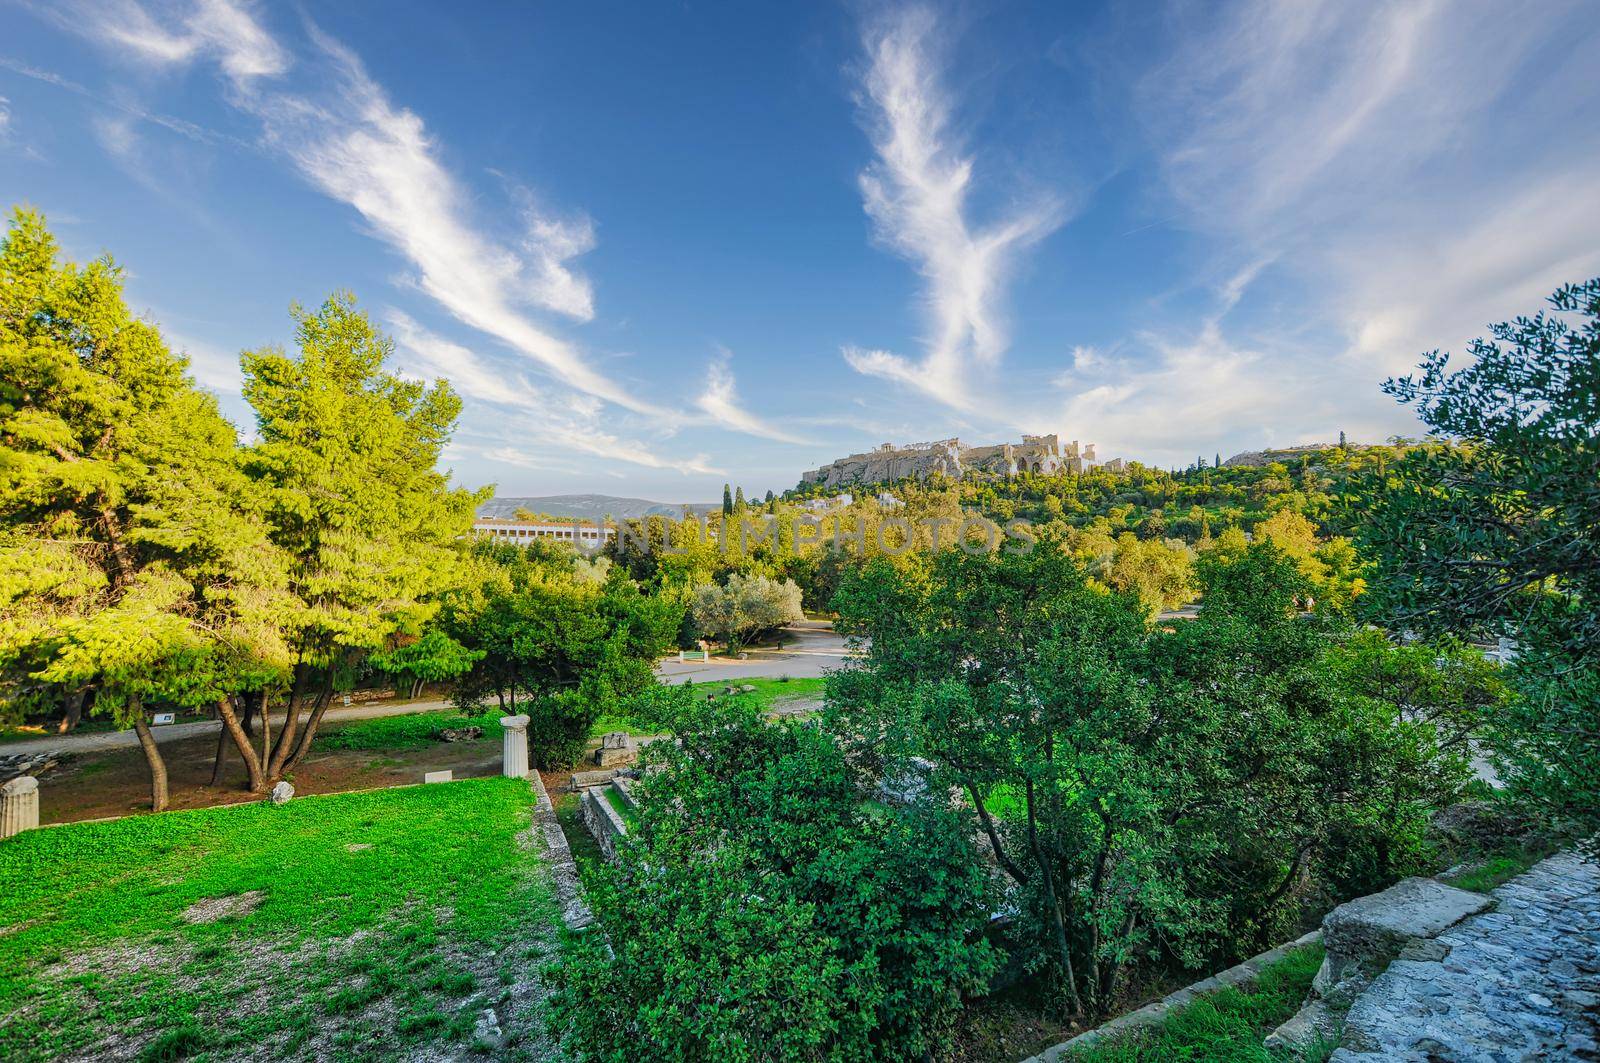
<point>1362,936</point>
<point>1521,982</point>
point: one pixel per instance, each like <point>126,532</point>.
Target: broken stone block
<point>616,747</point>
<point>1362,936</point>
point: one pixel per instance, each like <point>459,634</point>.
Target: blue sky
<point>656,247</point>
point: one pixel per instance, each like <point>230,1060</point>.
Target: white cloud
<point>224,30</point>
<point>212,369</point>
<point>1409,171</point>
<point>360,149</point>
<point>355,145</point>
<point>720,402</point>
<point>560,423</point>
<point>917,194</point>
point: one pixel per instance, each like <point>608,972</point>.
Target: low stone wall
<point>1519,982</point>
<point>563,869</point>
<point>1363,937</point>
<point>602,820</point>
<point>1238,976</point>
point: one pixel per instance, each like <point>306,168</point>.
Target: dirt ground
<point>117,782</point>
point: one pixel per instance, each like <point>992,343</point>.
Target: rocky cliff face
<point>950,457</point>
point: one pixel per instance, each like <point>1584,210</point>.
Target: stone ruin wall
<point>949,457</point>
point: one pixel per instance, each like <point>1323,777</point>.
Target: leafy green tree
<point>768,908</point>
<point>745,607</point>
<point>1147,793</point>
<point>553,642</point>
<point>727,501</point>
<point>1499,534</point>
<point>347,455</point>
<point>433,658</point>
<point>136,565</point>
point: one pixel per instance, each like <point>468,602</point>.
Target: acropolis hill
<point>950,457</point>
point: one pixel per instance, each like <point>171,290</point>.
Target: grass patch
<point>768,693</point>
<point>1497,870</point>
<point>630,818</point>
<point>373,909</point>
<point>1223,1027</point>
<point>608,723</point>
<point>416,730</point>
<point>585,850</point>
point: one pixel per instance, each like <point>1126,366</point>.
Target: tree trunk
<point>248,720</point>
<point>309,732</point>
<point>73,712</point>
<point>291,722</point>
<point>252,764</point>
<point>1057,920</point>
<point>222,746</point>
<point>266,729</point>
<point>152,756</point>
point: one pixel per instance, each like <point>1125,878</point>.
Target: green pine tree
<point>138,567</point>
<point>347,455</point>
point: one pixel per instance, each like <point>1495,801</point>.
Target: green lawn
<point>413,731</point>
<point>1223,1027</point>
<point>769,692</point>
<point>382,923</point>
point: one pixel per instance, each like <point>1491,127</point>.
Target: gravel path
<point>1520,982</point>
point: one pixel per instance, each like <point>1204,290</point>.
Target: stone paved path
<point>1520,982</point>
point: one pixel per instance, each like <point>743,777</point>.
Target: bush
<point>766,908</point>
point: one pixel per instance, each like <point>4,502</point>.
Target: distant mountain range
<point>590,507</point>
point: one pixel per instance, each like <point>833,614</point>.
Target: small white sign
<point>165,717</point>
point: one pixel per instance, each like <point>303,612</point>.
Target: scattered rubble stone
<point>16,765</point>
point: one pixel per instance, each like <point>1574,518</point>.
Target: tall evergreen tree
<point>348,454</point>
<point>727,501</point>
<point>135,564</point>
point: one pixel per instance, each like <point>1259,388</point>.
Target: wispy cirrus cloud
<point>549,425</point>
<point>223,30</point>
<point>1404,173</point>
<point>360,148</point>
<point>917,193</point>
<point>354,144</point>
<point>720,402</point>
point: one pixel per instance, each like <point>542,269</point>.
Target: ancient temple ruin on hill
<point>950,457</point>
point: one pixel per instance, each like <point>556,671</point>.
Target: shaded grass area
<point>1494,870</point>
<point>413,731</point>
<point>585,850</point>
<point>354,925</point>
<point>1223,1027</point>
<point>630,818</point>
<point>769,694</point>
